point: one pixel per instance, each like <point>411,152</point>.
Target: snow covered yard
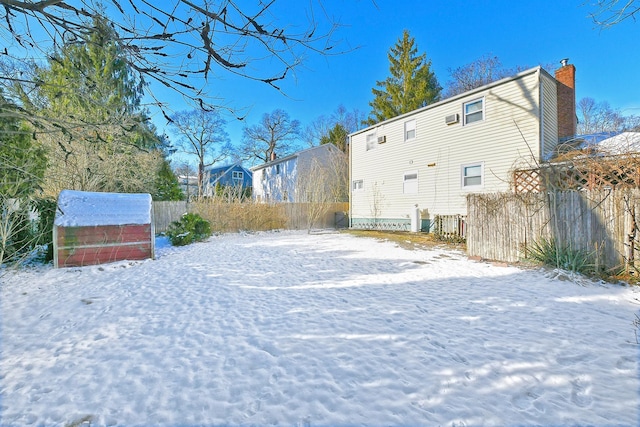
<point>294,329</point>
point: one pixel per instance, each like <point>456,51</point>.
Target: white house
<point>428,160</point>
<point>287,179</point>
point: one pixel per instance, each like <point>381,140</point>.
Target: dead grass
<point>408,240</point>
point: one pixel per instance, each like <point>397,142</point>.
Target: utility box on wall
<point>95,228</point>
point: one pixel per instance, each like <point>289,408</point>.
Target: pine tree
<point>410,86</point>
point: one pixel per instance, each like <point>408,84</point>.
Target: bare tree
<point>321,183</point>
<point>273,135</point>
<point>201,133</point>
<point>599,117</point>
<point>180,44</point>
<point>482,71</point>
<point>321,127</point>
<point>611,12</point>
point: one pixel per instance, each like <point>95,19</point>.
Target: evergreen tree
<point>98,138</point>
<point>337,136</point>
<point>22,160</point>
<point>91,80</point>
<point>410,86</point>
<point>167,184</point>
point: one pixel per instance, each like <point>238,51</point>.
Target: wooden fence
<point>600,222</point>
<point>164,213</point>
<point>231,217</point>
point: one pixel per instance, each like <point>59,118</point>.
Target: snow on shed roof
<point>83,208</point>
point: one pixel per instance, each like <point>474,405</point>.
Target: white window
<point>372,141</point>
<point>473,175</point>
<point>237,175</point>
<point>358,185</point>
<point>409,130</point>
<point>474,111</point>
<point>410,184</point>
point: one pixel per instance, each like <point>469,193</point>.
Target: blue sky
<point>519,33</point>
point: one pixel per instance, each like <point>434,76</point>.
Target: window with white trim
<point>372,141</point>
<point>474,111</point>
<point>473,175</point>
<point>410,182</point>
<point>358,185</point>
<point>409,130</point>
<point>237,175</point>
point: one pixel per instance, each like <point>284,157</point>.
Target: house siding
<point>271,186</point>
<point>275,182</point>
<point>508,137</point>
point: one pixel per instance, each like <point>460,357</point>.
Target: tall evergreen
<point>410,85</point>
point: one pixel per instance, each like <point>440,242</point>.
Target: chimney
<point>273,156</point>
<point>567,120</point>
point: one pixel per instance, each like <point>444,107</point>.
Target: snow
<point>85,208</point>
<point>624,143</point>
<point>297,329</point>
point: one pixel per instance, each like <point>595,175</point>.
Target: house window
<point>358,185</point>
<point>473,175</point>
<point>409,130</point>
<point>410,184</point>
<point>277,169</point>
<point>474,111</point>
<point>371,141</point>
<point>237,175</point>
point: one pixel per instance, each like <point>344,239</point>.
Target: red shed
<point>95,228</point>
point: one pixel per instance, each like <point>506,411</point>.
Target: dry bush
<point>230,216</point>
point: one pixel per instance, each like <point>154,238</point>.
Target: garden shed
<point>95,228</point>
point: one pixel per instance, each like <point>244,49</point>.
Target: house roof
<point>294,155</point>
<point>456,97</point>
<point>84,208</point>
<point>226,168</point>
<point>623,143</point>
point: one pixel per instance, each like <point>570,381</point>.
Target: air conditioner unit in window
<point>451,119</point>
<point>382,139</point>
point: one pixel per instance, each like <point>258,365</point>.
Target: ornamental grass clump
<point>548,252</point>
<point>190,228</point>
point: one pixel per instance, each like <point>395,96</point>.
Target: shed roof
<point>83,208</point>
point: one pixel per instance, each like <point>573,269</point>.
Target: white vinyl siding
<point>410,182</point>
<point>473,111</point>
<point>510,139</point>
<point>410,130</point>
<point>472,176</point>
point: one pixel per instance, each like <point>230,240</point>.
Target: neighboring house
<point>428,160</point>
<point>290,178</point>
<point>235,175</point>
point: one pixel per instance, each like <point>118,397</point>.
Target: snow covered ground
<point>292,329</point>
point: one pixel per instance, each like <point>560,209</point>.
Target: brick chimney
<point>273,156</point>
<point>567,120</point>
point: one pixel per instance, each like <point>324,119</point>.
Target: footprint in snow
<point>580,392</point>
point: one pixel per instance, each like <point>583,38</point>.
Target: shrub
<point>548,252</point>
<point>190,228</point>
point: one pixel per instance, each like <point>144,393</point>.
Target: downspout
<point>350,183</point>
<point>541,133</point>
